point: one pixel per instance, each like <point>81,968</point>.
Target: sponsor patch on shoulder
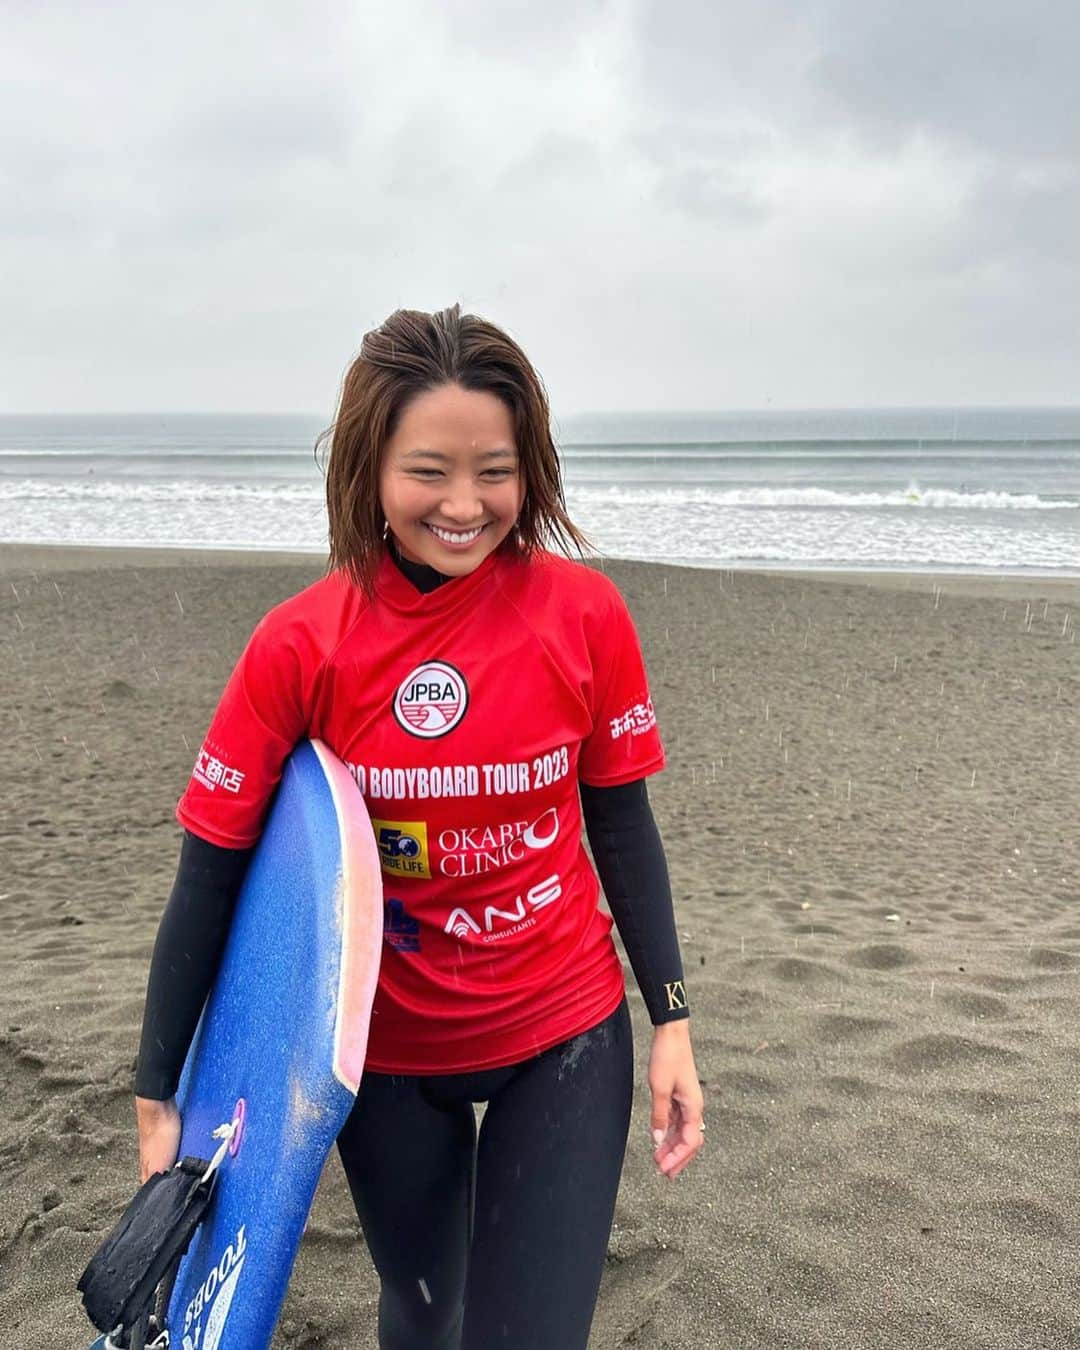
<point>635,721</point>
<point>214,773</point>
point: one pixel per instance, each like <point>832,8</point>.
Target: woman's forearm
<point>187,954</point>
<point>633,871</point>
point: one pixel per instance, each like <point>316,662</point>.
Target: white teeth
<point>449,537</point>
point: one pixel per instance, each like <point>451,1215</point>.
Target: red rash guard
<point>467,716</point>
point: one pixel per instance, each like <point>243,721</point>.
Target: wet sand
<point>871,822</point>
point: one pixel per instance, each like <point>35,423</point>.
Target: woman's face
<point>450,481</point>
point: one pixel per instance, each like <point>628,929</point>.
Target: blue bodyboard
<point>279,1050</point>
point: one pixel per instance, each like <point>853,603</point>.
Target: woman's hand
<point>159,1135</point>
<point>677,1103</point>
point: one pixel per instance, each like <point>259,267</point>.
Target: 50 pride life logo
<point>431,700</point>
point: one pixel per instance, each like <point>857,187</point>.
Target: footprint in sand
<point>808,1281</point>
<point>744,1083</point>
<point>117,690</point>
<point>881,1193</point>
<point>1048,958</point>
<point>969,1004</point>
<point>985,1103</point>
<point>796,970</point>
<point>881,956</point>
<point>834,1027</point>
<point>938,1051</point>
<point>848,1086</point>
<point>1019,1215</point>
<point>634,1282</point>
<point>1001,984</point>
<point>732,1122</point>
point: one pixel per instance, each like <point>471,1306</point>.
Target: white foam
<point>911,497</point>
<point>914,527</point>
<point>172,490</point>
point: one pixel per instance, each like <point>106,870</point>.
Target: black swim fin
<point>145,1247</point>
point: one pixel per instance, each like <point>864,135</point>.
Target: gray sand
<point>870,818</point>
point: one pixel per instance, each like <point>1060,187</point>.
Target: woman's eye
<point>488,475</point>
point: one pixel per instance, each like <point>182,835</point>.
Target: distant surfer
<point>488,695</point>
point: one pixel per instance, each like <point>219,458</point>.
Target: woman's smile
<point>455,538</point>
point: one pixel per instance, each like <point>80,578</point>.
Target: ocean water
<point>967,489</point>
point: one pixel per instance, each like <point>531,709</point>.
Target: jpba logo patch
<point>431,700</point>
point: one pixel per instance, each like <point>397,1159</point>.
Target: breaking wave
<point>912,497</point>
<point>938,499</point>
<point>185,490</point>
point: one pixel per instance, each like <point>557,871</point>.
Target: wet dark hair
<point>407,355</point>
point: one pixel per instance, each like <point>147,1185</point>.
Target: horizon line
<point>770,410</point>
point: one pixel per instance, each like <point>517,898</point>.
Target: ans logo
<point>499,923</point>
<point>403,847</point>
<point>476,849</point>
<point>431,700</point>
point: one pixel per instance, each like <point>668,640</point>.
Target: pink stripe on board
<point>361,911</point>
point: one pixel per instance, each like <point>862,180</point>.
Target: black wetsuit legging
<point>496,1242</point>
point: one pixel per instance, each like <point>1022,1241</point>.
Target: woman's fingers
<point>677,1102</point>
<point>681,1144</point>
<point>662,1110</point>
<point>159,1135</point>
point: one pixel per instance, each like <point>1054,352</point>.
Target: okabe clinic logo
<point>431,700</point>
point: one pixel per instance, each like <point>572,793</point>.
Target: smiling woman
<point>489,698</point>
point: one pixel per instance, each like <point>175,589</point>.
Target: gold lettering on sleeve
<point>676,995</point>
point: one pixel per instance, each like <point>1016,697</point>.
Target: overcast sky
<point>670,203</point>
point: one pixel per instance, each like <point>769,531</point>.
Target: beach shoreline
<point>17,556</point>
<point>868,817</point>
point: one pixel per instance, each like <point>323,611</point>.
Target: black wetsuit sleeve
<point>187,955</point>
<point>629,856</point>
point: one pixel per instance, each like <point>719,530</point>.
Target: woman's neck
<point>423,577</point>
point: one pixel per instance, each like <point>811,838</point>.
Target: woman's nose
<point>462,504</point>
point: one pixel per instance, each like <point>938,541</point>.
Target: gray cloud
<point>987,74</point>
<point>670,204</point>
